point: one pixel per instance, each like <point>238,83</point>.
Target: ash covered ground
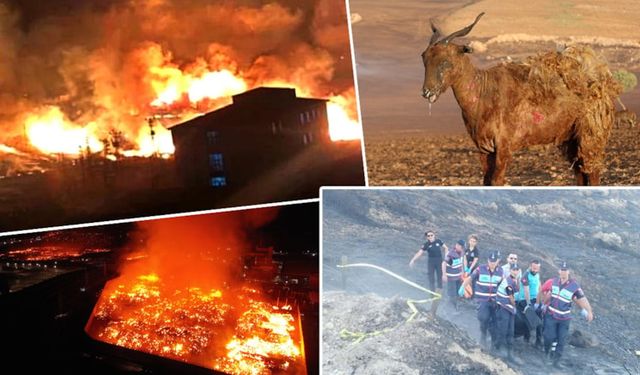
<point>593,229</point>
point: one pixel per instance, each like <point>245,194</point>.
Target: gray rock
<point>582,339</point>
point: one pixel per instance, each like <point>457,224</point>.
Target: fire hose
<point>359,336</point>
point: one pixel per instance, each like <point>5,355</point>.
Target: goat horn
<point>435,35</point>
<point>461,32</point>
<point>624,108</point>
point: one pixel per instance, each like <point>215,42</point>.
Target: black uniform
<point>434,263</point>
<point>471,255</point>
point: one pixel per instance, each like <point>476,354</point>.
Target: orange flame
<point>341,126</point>
<point>182,91</point>
<point>52,133</point>
<point>9,150</point>
<point>182,323</point>
<point>171,85</point>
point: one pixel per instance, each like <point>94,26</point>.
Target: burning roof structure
<point>188,301</point>
<point>167,295</point>
<point>235,332</point>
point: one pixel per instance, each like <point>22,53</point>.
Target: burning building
<point>96,92</point>
<point>164,296</point>
<point>262,129</point>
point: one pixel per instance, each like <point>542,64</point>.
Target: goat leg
<point>488,162</point>
<point>502,159</point>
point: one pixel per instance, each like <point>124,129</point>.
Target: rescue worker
<point>486,279</point>
<point>506,268</point>
<point>433,246</point>
<point>564,291</point>
<point>506,312</point>
<point>527,296</point>
<point>452,269</point>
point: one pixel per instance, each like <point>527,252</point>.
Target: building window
<point>308,116</point>
<point>305,139</point>
<point>310,136</point>
<point>212,137</point>
<point>218,181</point>
<point>274,128</point>
<point>216,163</point>
<point>301,118</point>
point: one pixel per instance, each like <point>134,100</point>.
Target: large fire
<point>233,331</point>
<point>110,80</point>
<point>183,92</point>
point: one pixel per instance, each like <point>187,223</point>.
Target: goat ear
<point>466,49</point>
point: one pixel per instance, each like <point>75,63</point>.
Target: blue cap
<point>515,266</point>
<point>494,256</point>
<point>460,242</point>
<point>564,266</point>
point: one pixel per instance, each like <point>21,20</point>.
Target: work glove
<point>461,291</point>
<point>467,269</point>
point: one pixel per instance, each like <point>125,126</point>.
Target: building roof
<point>267,98</point>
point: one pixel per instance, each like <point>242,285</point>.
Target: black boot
<point>512,358</point>
<point>556,361</point>
<point>483,340</point>
<point>548,356</point>
<point>538,344</point>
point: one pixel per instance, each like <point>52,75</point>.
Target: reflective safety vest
<point>454,270</point>
<point>487,283</point>
<point>534,286</point>
<point>502,298</point>
<point>561,297</point>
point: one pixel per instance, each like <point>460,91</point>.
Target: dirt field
<point>422,159</point>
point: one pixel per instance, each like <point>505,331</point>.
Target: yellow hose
<point>359,336</point>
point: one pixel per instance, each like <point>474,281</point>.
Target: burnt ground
<point>421,158</point>
<point>593,229</point>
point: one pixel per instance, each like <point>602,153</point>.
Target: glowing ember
<point>197,326</point>
<point>47,253</point>
<point>263,335</point>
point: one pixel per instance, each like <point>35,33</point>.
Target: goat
<point>565,98</point>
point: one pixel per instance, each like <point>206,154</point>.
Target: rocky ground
<point>425,345</point>
<point>593,229</point>
<point>422,159</point>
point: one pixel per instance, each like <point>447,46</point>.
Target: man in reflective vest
<point>506,312</point>
<point>452,272</point>
<point>528,294</point>
<point>564,291</point>
<point>486,279</point>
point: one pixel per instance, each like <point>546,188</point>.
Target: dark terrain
<point>593,229</point>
